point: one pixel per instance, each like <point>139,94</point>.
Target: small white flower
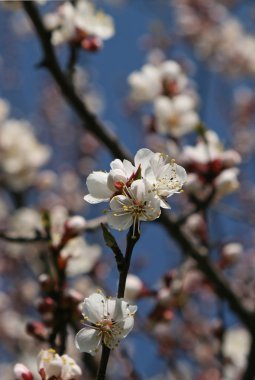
<point>21,153</point>
<point>138,204</point>
<point>110,321</point>
<point>145,84</point>
<point>227,181</point>
<point>74,23</point>
<point>49,364</point>
<point>134,287</point>
<point>176,116</point>
<point>21,372</point>
<point>70,370</point>
<point>164,175</point>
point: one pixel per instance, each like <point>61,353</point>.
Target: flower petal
<point>97,186</point>
<point>88,340</point>
<point>94,307</point>
<point>120,222</point>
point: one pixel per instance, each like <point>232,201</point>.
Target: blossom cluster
<point>21,153</point>
<point>50,366</point>
<point>107,321</point>
<point>217,36</point>
<point>79,23</point>
<point>209,165</point>
<point>166,85</point>
<point>136,192</point>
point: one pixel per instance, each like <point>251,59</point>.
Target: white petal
<point>143,157</point>
<point>116,164</point>
<point>138,189</point>
<point>97,185</point>
<point>181,174</point>
<point>88,340</point>
<point>183,103</point>
<point>164,204</point>
<point>121,222</point>
<point>92,200</point>
<point>94,307</point>
<point>126,326</point>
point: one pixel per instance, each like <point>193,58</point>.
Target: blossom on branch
<point>110,320</point>
<point>80,24</point>
<point>136,192</point>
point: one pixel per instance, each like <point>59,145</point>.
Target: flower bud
<point>134,287</point>
<point>45,282</point>
<point>230,254</point>
<point>92,44</point>
<point>36,329</point>
<point>49,364</point>
<point>70,370</point>
<point>75,225</point>
<point>21,372</point>
<point>45,305</point>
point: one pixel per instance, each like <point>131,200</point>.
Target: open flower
<point>78,23</point>
<point>176,116</point>
<point>136,192</point>
<point>110,320</point>
<point>164,175</point>
<point>138,204</point>
<point>51,365</point>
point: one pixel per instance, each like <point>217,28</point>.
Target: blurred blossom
<point>166,78</point>
<point>21,372</point>
<point>51,365</point>
<point>166,85</point>
<point>235,348</point>
<point>80,256</point>
<point>134,287</point>
<point>217,36</point>
<point>77,23</point>
<point>177,116</point>
<point>21,153</point>
<point>209,164</point>
<point>231,253</point>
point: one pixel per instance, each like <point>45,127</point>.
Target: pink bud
<point>21,372</point>
<point>75,225</point>
<point>92,44</point>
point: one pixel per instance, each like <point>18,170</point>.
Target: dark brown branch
<point>112,143</point>
<point>21,239</point>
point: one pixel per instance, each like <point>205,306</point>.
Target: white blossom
<point>145,84</point>
<point>74,23</point>
<point>21,153</point>
<point>134,287</point>
<point>50,365</point>
<point>176,116</point>
<point>108,320</point>
<point>227,181</point>
<point>21,372</point>
<point>138,204</point>
<point>136,192</point>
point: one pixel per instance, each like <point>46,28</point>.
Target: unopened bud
<point>36,329</point>
<point>45,305</point>
<point>21,372</point>
<point>134,287</point>
<point>230,254</point>
<point>92,44</point>
<point>45,282</point>
<point>75,225</point>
